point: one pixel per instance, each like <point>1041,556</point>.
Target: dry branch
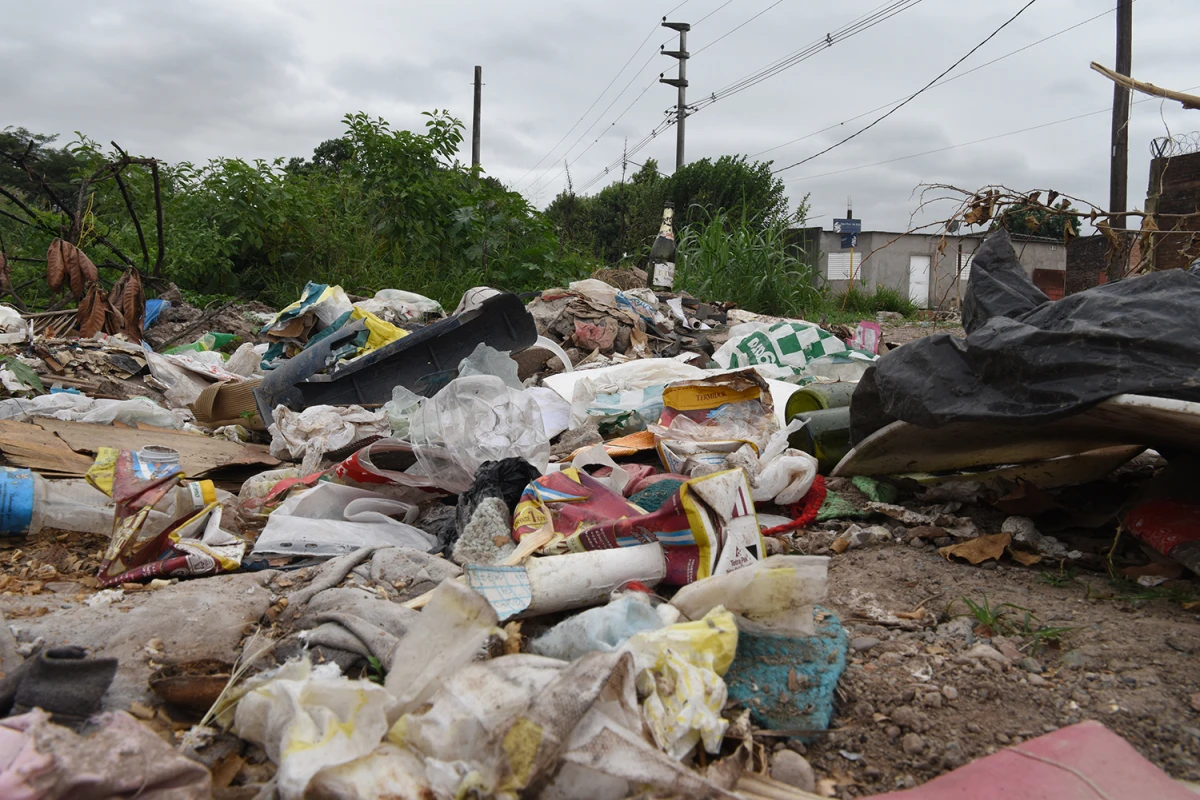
<point>1188,100</point>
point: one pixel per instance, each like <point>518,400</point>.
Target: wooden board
<point>1125,419</point>
<point>26,445</point>
<point>53,445</point>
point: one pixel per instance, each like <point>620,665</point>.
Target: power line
<point>911,97</point>
<point>605,91</point>
<point>738,28</point>
<point>858,25</point>
<point>706,16</point>
<point>968,144</point>
<point>939,83</point>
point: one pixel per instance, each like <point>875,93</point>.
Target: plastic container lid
<point>16,500</point>
<point>158,454</point>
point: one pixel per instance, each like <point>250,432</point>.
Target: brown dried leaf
<point>1023,558</point>
<point>93,312</point>
<point>129,300</point>
<point>979,549</point>
<point>56,265</point>
<point>87,268</point>
<point>5,274</point>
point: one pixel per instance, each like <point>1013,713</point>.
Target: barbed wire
<point>1181,144</point>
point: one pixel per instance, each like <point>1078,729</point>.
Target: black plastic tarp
<point>1027,359</point>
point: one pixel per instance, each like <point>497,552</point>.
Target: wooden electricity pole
<point>475,117</point>
<point>680,83</point>
<point>1118,176</point>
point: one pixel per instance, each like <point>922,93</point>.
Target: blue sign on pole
<point>849,229</point>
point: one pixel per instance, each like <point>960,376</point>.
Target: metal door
<point>918,280</point>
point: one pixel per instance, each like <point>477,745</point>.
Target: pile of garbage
<point>575,547</point>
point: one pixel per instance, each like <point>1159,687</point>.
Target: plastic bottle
<point>662,252</point>
<point>29,502</point>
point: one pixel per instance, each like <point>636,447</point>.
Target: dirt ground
<point>920,697</point>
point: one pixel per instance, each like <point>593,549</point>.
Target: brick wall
<point>1175,189</point>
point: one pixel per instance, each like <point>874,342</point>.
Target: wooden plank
<point>27,445</point>
<point>1125,419</point>
<point>199,455</point>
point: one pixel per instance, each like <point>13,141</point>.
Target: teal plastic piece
<point>767,667</point>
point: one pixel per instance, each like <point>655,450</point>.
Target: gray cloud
<point>255,79</point>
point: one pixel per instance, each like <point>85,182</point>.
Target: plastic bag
<point>331,519</point>
<point>798,345</point>
<point>485,360</point>
<point>308,719</point>
<point>602,629</point>
<point>679,671</point>
<point>643,379</point>
<point>245,361</point>
<point>207,342</point>
<point>771,596</point>
<point>473,420</point>
<point>317,430</point>
<point>1027,361</point>
<point>396,306</point>
<point>400,409</point>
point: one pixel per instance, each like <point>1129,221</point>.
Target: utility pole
<point>680,83</point>
<point>475,117</point>
<point>1118,178</point>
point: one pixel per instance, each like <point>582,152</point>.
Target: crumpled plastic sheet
<point>317,430</point>
<point>679,671</point>
<point>472,420</point>
<point>308,718</point>
<point>397,306</point>
<point>773,596</point>
<point>121,758</point>
<point>81,408</point>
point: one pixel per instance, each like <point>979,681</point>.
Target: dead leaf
<point>128,297</point>
<point>979,549</point>
<point>56,265</point>
<point>225,770</point>
<point>917,614</point>
<point>793,681</point>
<point>93,312</point>
<point>1170,570</point>
<point>840,545</point>
<point>5,274</point>
<point>1023,558</point>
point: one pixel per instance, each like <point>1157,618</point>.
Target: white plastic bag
<point>396,306</point>
<point>331,519</point>
<point>317,430</point>
<point>771,596</point>
<point>307,719</point>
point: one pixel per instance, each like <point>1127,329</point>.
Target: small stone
<point>798,746</point>
<point>1194,700</point>
<point>872,774</point>
<point>862,644</point>
<point>1181,644</point>
<point>1076,659</point>
<point>907,695</point>
<point>1002,738</point>
<point>1036,680</point>
<point>943,541</point>
<point>893,732</point>
<point>1081,697</point>
<point>973,727</point>
<point>933,700</point>
<point>950,693</point>
<point>912,743</point>
<point>1009,651</point>
<point>1030,664</point>
<point>989,565</point>
<point>906,717</point>
<point>984,652</point>
<point>793,769</point>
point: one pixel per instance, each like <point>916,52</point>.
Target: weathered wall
<point>1175,189</point>
<point>890,254</point>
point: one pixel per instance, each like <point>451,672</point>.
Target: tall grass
<point>743,261</point>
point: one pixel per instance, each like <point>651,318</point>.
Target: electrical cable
<point>738,28</point>
<point>951,79</point>
<point>911,97</point>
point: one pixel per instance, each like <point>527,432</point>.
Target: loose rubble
<point>353,548</point>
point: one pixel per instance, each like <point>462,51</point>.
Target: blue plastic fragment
<point>153,309</point>
<point>788,683</point>
<point>16,500</point>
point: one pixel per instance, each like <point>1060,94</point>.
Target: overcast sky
<point>266,78</point>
